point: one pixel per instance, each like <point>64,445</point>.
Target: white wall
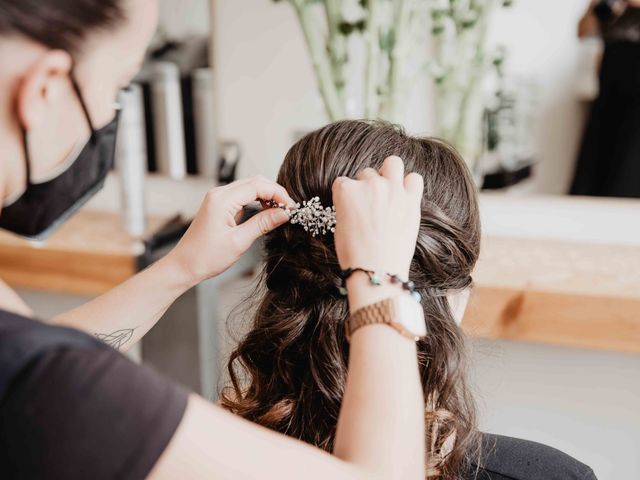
<point>266,87</point>
<point>179,18</point>
<point>265,83</point>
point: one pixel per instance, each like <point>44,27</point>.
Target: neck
<point>12,174</point>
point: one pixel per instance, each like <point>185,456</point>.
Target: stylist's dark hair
<point>58,24</point>
<point>289,371</point>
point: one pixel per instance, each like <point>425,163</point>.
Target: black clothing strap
<point>508,458</point>
<point>83,104</point>
<point>87,115</point>
<point>27,160</point>
<point>22,346</point>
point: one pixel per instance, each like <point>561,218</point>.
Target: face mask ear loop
<point>76,88</point>
<point>27,160</point>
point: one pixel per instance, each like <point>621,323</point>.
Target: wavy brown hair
<point>289,372</point>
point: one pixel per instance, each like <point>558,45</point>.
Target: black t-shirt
<point>83,412</point>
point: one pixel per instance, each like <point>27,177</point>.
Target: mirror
<point>512,84</point>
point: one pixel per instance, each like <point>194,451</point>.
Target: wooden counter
<point>92,253</point>
<point>557,292</point>
<point>88,255</point>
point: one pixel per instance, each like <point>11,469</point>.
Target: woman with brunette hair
<point>289,372</point>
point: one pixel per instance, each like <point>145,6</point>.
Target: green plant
<point>381,25</point>
<point>392,34</point>
<point>461,60</point>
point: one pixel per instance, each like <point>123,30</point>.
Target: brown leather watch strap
<point>385,312</point>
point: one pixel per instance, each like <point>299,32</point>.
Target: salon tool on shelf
<point>131,159</point>
<point>229,159</point>
<point>204,124</point>
<point>167,120</point>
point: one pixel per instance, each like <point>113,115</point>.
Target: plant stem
<point>337,44</point>
<point>320,59</point>
<point>477,71</point>
<point>372,41</point>
<point>399,30</point>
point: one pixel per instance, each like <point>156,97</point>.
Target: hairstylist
<point>72,407</point>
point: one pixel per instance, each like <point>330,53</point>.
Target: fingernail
<point>281,216</point>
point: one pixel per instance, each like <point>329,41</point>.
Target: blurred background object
<point>507,155</point>
<point>178,87</point>
<point>609,158</point>
<point>229,160</point>
<point>460,65</point>
<point>204,128</point>
<point>131,159</point>
<point>168,126</point>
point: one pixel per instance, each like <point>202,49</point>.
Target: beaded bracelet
<point>374,279</point>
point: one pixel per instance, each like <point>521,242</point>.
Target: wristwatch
<point>401,313</point>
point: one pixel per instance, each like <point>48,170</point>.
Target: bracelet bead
<point>374,280</point>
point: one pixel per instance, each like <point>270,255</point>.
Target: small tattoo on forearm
<point>116,339</point>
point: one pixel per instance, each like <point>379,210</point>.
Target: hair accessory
<point>311,216</point>
<point>374,279</point>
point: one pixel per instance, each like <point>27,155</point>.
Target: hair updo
<point>289,372</point>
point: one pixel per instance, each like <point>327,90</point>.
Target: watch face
<point>411,316</point>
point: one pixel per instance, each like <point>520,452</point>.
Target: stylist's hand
<point>215,240</point>
<point>377,218</point>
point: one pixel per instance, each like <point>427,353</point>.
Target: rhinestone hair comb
<point>311,215</point>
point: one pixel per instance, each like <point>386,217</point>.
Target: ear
<point>42,86</point>
<point>458,303</point>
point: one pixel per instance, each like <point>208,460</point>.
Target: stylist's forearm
<point>123,315</point>
<point>381,423</point>
<point>212,244</point>
<point>381,426</point>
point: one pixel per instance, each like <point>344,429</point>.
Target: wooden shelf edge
<point>86,274</point>
<point>601,323</point>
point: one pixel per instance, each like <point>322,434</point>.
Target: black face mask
<point>43,207</point>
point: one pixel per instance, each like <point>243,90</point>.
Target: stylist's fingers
<point>243,192</point>
<point>260,224</point>
<point>366,174</point>
<point>393,169</point>
<point>340,186</point>
<point>414,184</point>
